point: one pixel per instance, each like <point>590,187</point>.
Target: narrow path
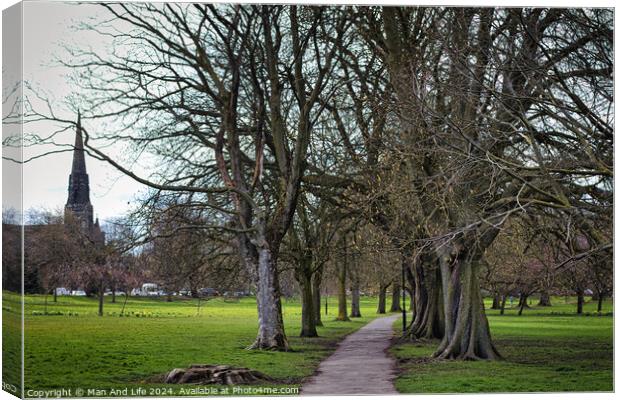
<point>359,365</point>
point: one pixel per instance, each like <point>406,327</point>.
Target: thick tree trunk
<point>580,301</point>
<point>428,322</point>
<point>467,335</point>
<point>342,292</point>
<point>545,299</point>
<point>317,277</point>
<point>496,301</point>
<point>382,299</point>
<point>395,297</point>
<point>599,307</point>
<point>271,334</point>
<point>308,320</point>
<point>55,295</point>
<point>355,298</point>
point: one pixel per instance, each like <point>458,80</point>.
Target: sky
<point>48,27</point>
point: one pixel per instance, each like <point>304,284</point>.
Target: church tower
<point>78,202</point>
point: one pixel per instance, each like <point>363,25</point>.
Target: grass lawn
<point>546,349</point>
<point>80,349</point>
<point>11,343</point>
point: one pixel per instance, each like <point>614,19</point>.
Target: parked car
<point>210,292</point>
<point>61,291</point>
<point>78,293</point>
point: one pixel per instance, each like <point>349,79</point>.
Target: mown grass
<point>11,343</point>
<point>547,349</point>
<point>80,349</point>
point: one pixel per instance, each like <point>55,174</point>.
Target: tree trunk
<point>395,297</point>
<point>580,302</point>
<point>382,298</point>
<point>55,295</point>
<point>304,278</point>
<point>503,305</point>
<point>101,290</point>
<point>467,335</point>
<point>271,334</point>
<point>355,298</point>
<point>428,318</point>
<point>545,299</point>
<point>522,303</point>
<point>317,277</point>
<point>125,302</point>
<point>599,307</point>
<point>342,292</point>
<point>496,301</point>
<point>169,297</point>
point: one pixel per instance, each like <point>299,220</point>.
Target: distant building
<point>78,201</point>
<point>78,207</point>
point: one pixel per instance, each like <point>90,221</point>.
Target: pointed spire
<point>79,164</point>
<point>79,195</point>
<point>78,201</point>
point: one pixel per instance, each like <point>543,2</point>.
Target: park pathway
<point>359,365</point>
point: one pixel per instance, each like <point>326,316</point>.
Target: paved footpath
<point>359,365</point>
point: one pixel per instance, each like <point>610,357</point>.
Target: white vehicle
<point>78,293</point>
<point>147,289</point>
<point>61,291</point>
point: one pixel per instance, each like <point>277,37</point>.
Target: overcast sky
<point>47,26</point>
<point>45,179</point>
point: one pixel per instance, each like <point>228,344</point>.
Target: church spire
<point>78,201</point>
<point>79,163</point>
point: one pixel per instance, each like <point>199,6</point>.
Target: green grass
<point>80,349</point>
<point>547,349</point>
<point>11,342</point>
